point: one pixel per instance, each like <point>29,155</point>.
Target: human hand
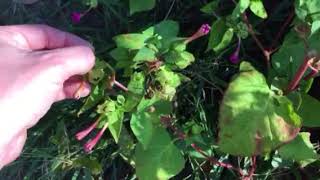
<point>38,66</point>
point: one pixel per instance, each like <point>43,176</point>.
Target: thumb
<point>64,66</point>
<point>69,61</point>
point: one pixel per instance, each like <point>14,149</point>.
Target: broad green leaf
<point>146,103</point>
<point>179,59</point>
<point>307,9</point>
<point>137,83</point>
<point>141,5</point>
<point>161,160</point>
<point>169,81</point>
<point>218,29</point>
<point>309,111</point>
<point>241,7</point>
<point>291,54</point>
<point>187,59</point>
<point>116,126</point>
<point>132,100</point>
<point>225,41</point>
<point>300,150</point>
<point>142,127</point>
<point>315,27</point>
<point>94,98</point>
<point>256,6</point>
<point>167,29</point>
<point>120,54</point>
<point>211,7</point>
<point>115,120</point>
<point>252,119</point>
<point>144,55</point>
<point>131,41</point>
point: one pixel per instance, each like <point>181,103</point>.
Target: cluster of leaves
<point>152,61</point>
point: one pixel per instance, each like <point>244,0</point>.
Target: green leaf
<point>94,98</point>
<point>290,56</point>
<point>256,6</point>
<point>120,54</point>
<point>162,160</point>
<point>225,41</point>
<point>241,7</point>
<point>167,29</point>
<point>131,41</point>
<point>116,126</point>
<point>144,55</point>
<point>211,7</point>
<point>309,111</point>
<point>141,5</point>
<point>300,150</point>
<point>142,127</point>
<point>187,59</point>
<point>169,81</point>
<point>220,35</point>
<point>218,28</point>
<point>180,59</point>
<point>315,27</point>
<point>92,164</point>
<point>137,83</point>
<point>132,100</point>
<point>307,10</point>
<point>272,121</point>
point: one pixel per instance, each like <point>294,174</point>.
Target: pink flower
<point>90,144</point>
<point>80,135</point>
<point>76,17</point>
<point>202,31</point>
<point>234,58</point>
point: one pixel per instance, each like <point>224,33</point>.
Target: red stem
<point>253,167</point>
<point>119,85</point>
<point>214,161</point>
<point>288,20</point>
<point>298,76</point>
<point>261,47</point>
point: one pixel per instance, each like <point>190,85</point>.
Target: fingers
<point>37,37</point>
<point>67,62</point>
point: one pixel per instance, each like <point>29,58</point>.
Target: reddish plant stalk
<point>283,27</point>
<point>298,76</point>
<point>253,167</point>
<point>214,161</point>
<point>119,85</point>
<point>261,47</point>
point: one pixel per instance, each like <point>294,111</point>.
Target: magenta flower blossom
<point>90,144</point>
<point>80,135</point>
<point>202,31</point>
<point>234,58</point>
<point>76,17</point>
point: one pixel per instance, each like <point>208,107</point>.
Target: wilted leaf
<point>253,120</point>
<point>131,41</point>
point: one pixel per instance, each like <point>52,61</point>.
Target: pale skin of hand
<point>39,66</point>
